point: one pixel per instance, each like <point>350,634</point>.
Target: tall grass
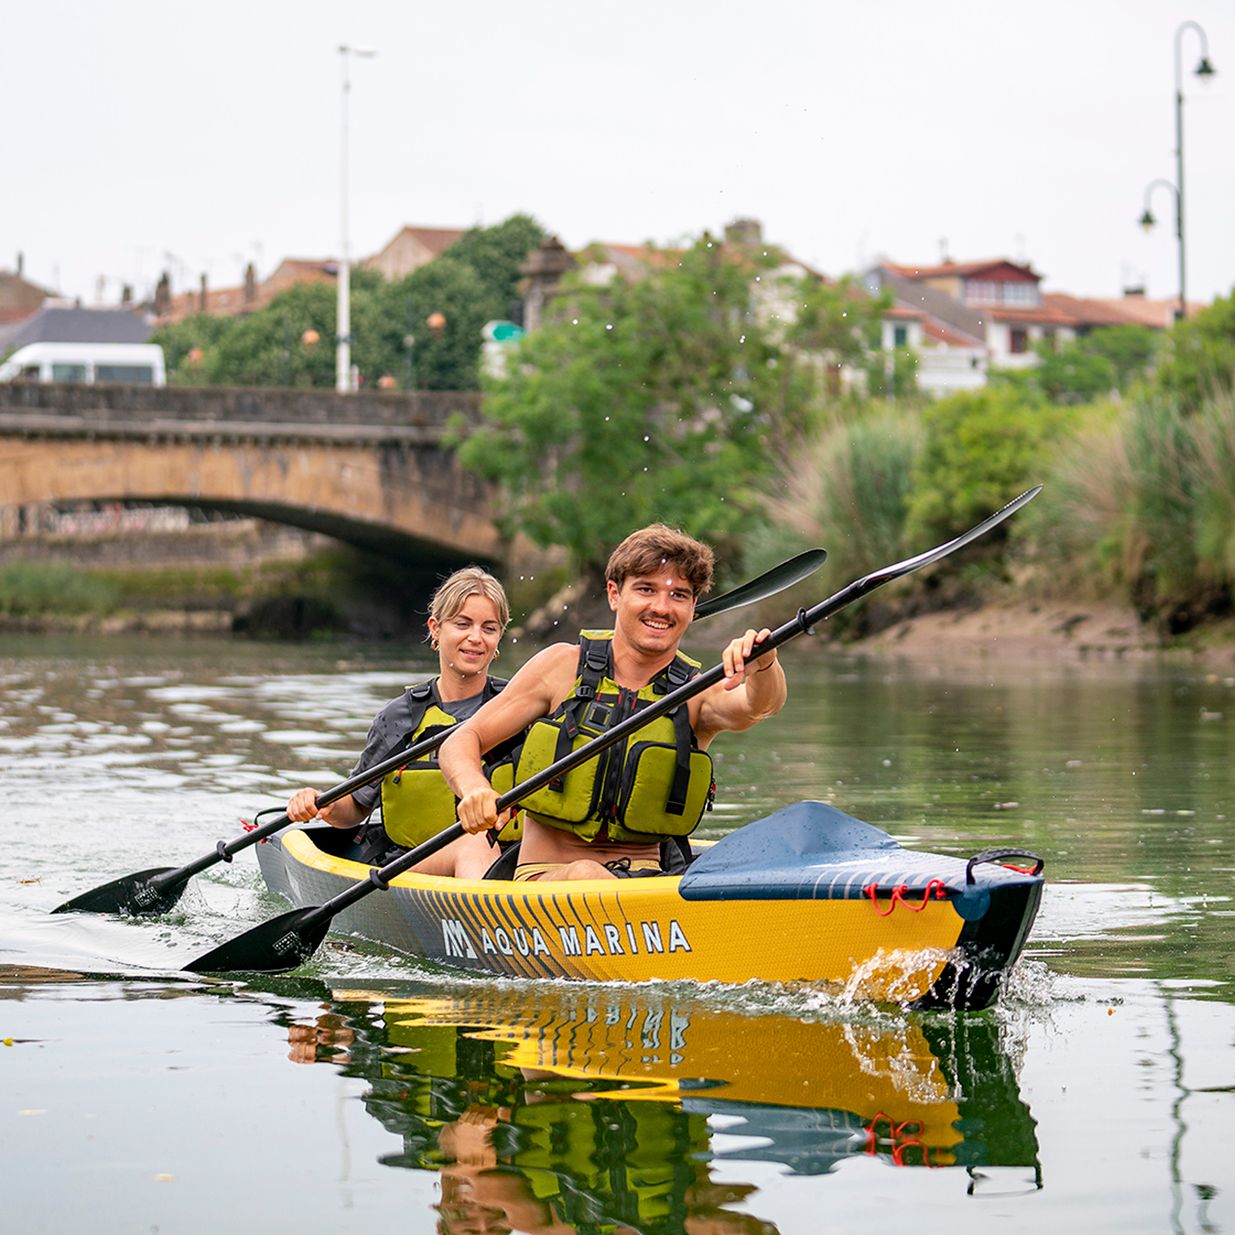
<point>847,489</point>
<point>1214,490</point>
<point>1079,532</point>
<point>1142,506</point>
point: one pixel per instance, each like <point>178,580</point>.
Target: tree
<point>838,325</point>
<point>495,255</point>
<point>1199,357</point>
<point>1072,373</point>
<point>1130,349</point>
<point>653,399</point>
<point>441,307</point>
<point>468,285</point>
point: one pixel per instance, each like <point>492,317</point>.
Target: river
<point>364,1092</point>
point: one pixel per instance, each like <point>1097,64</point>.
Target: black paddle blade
<point>275,946</point>
<point>134,894</point>
<point>789,572</point>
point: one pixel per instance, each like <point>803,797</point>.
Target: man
<point>608,818</point>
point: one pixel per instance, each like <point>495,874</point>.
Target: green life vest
<point>417,803</point>
<point>654,786</point>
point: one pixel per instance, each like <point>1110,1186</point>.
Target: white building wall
<point>946,370</point>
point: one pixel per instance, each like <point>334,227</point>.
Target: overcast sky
<point>202,136</point>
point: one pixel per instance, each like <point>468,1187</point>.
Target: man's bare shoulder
<point>549,672</point>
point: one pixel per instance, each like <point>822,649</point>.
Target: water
<point>365,1092</point>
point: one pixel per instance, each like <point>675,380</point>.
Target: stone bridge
<point>374,470</point>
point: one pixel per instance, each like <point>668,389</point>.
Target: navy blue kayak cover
<point>784,855</point>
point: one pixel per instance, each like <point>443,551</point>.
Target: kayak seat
<point>504,866</point>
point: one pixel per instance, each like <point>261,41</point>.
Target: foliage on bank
<point>35,589</point>
<point>1138,503</point>
<point>670,397</point>
<point>421,332</point>
<point>340,591</point>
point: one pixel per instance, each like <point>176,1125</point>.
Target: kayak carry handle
<point>998,855</point>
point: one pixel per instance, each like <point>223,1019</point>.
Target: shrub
<point>1199,359</point>
<point>979,450</point>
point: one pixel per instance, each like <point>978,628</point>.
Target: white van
<point>136,364</point>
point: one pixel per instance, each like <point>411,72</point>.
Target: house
<point>994,307</point>
<point>411,248</point>
<point>249,297</point>
<point>775,295</point>
<point>1133,308</point>
<point>61,323</point>
<point>19,298</point>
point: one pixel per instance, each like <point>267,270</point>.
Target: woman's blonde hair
<point>455,591</point>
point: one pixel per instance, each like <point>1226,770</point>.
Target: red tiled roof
<point>1084,311</point>
<point>1044,316</point>
<point>623,254</point>
<point>962,270</point>
<point>1142,311</point>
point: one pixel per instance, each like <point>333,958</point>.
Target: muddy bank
<point>1046,630</point>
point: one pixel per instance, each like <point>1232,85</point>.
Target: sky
<point>199,137</point>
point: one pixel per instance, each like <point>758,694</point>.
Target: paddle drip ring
<point>221,849</point>
<point>377,881</point>
<point>802,623</point>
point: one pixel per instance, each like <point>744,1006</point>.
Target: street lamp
<point>1204,70</point>
<point>1147,220</point>
<point>343,352</point>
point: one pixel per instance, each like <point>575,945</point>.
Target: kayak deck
<point>807,895</point>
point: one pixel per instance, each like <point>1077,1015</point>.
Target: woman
<point>467,616</point>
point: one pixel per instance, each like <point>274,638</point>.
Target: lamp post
<point>1204,70</point>
<point>343,351</point>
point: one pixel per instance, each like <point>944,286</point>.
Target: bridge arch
<point>379,474</point>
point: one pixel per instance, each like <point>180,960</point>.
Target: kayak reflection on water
<point>571,1110</point>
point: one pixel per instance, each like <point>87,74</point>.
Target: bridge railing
<point>223,405</point>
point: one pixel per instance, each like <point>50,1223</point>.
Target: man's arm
<point>531,693</point>
<point>747,695</point>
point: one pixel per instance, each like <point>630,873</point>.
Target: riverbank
<point>1046,630</point>
<point>1018,631</point>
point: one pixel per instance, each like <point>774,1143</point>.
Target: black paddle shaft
<point>298,933</point>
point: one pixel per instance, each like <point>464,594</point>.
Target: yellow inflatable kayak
<point>808,894</point>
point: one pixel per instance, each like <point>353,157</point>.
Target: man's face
<point>653,610</point>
